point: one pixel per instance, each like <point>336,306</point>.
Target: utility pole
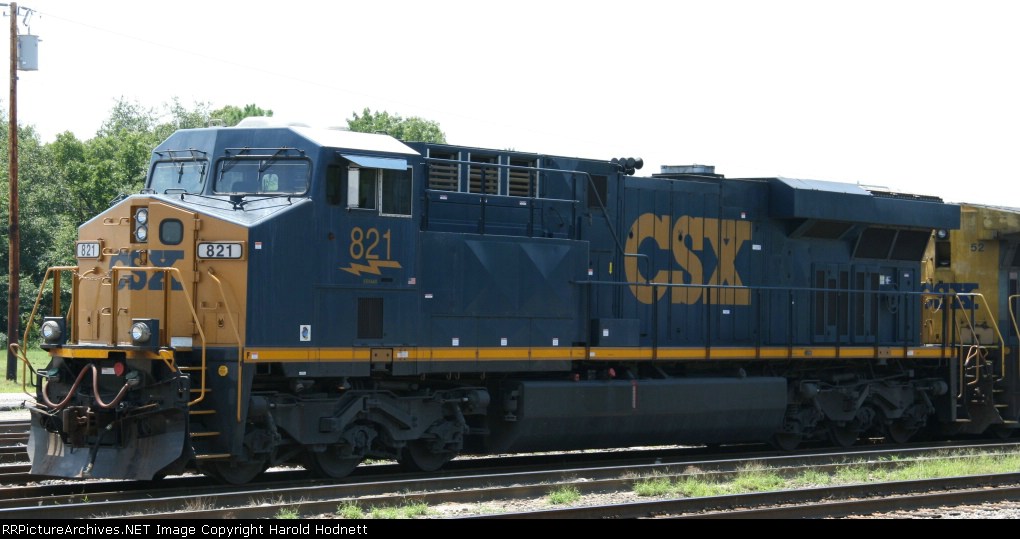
<point>14,234</point>
<point>24,60</point>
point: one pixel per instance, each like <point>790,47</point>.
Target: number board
<point>88,249</point>
<point>220,250</point>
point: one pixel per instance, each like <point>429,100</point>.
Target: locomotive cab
<point>149,361</point>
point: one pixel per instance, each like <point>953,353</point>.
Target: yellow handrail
<point>167,283</point>
<point>1012,313</point>
<point>15,348</point>
<point>975,347</point>
<point>237,336</point>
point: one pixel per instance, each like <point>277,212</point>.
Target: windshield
<point>186,175</point>
<point>262,176</point>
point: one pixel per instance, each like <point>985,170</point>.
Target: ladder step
<point>213,456</point>
<point>204,434</point>
<point>202,412</point>
<point>200,390</point>
<point>190,369</point>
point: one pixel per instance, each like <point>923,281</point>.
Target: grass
<point>287,513</point>
<point>352,511</point>
<point>39,359</point>
<point>761,479</point>
<point>564,495</point>
<point>199,504</point>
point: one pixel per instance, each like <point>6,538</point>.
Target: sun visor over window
<point>367,161</point>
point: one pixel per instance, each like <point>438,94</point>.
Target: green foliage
<point>412,129</point>
<point>655,486</point>
<point>350,511</point>
<point>408,510</point>
<point>564,495</point>
<point>231,115</point>
<point>287,513</point>
<point>763,479</point>
<point>693,487</point>
<point>39,360</point>
<point>757,481</point>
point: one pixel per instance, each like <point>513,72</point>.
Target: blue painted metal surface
<point>694,260</point>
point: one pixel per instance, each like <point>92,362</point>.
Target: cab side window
<point>396,192</point>
<point>369,179</point>
<point>384,190</point>
<point>333,183</point>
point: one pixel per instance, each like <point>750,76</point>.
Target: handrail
<point>15,348</point>
<point>166,283</point>
<point>573,187</point>
<point>1012,313</point>
<point>995,325</point>
<point>237,335</point>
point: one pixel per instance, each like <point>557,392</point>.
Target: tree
<point>413,128</point>
<point>232,115</point>
<point>36,218</point>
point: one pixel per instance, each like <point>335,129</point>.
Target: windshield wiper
<point>183,192</point>
<point>264,165</point>
<point>241,203</point>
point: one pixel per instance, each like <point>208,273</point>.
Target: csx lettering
<point>695,242</point>
<point>140,280</point>
<point>967,302</point>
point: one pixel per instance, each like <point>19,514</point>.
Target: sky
<point>915,96</point>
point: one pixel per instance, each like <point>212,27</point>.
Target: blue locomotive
<point>284,294</point>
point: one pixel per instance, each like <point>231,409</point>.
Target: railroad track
<point>197,498</point>
<point>13,443</point>
<point>838,501</point>
<point>369,485</point>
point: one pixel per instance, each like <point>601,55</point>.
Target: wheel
<point>329,463</point>
<point>898,432</point>
<point>237,473</point>
<point>786,441</point>
<point>419,457</point>
<point>845,436</point>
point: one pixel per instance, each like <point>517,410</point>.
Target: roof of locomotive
<point>218,139</point>
<point>831,201</point>
<point>1004,209</point>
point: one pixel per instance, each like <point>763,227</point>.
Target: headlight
<point>142,233</point>
<point>140,332</point>
<point>50,331</point>
<point>142,216</point>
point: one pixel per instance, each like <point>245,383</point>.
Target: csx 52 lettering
<point>140,280</point>
<point>695,242</point>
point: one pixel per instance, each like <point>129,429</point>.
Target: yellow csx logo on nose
<point>695,242</point>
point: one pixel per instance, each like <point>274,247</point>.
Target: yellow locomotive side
<point>972,263</point>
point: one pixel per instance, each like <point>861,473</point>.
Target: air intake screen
<point>910,244</point>
<point>875,243</point>
<point>829,230</point>
<point>443,176</point>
